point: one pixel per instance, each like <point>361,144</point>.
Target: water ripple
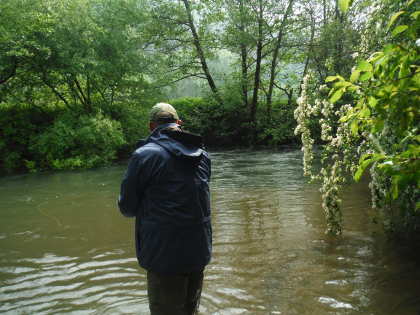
<point>270,253</point>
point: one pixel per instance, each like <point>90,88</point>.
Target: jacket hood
<point>180,143</point>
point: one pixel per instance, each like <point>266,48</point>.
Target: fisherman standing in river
<point>166,187</point>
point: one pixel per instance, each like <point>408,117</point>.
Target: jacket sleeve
<point>142,168</point>
<point>128,200</point>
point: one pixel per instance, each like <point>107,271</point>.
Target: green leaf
<point>364,66</point>
<point>358,174</point>
<point>364,161</point>
<point>399,29</point>
<point>395,186</point>
<point>394,18</point>
<point>372,101</point>
<point>365,76</point>
<point>389,49</point>
<point>354,127</point>
<point>342,84</point>
<point>415,15</point>
<point>361,169</point>
<point>331,78</point>
<point>378,125</point>
<point>337,95</point>
<point>346,117</point>
<point>365,157</point>
<point>365,112</point>
<point>375,56</point>
<point>353,88</point>
<point>354,76</point>
<point>344,5</point>
<point>404,68</point>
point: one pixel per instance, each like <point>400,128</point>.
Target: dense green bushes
<point>277,127</point>
<point>134,120</point>
<point>57,138</point>
<point>72,75</point>
<point>227,125</point>
<point>18,127</point>
<point>75,141</point>
<point>35,139</point>
<point>77,80</point>
<point>219,126</point>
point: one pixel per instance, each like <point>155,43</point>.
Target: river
<point>65,248</point>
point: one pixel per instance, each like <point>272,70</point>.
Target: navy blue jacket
<point>166,187</point>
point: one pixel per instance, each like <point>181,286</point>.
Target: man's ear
<point>179,122</point>
<point>152,125</point>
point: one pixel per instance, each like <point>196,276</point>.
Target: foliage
<point>226,126</point>
<point>76,58</point>
<point>277,129</point>
<point>78,141</point>
<point>134,120</point>
<point>219,125</point>
<point>37,138</point>
<point>78,51</point>
<point>79,58</point>
<point>378,130</point>
<point>18,127</point>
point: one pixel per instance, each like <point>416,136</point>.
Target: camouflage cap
<point>163,111</point>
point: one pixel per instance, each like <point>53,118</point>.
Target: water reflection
<point>65,248</point>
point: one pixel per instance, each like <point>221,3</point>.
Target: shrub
<point>226,125</point>
<point>219,125</point>
<point>134,120</point>
<point>278,128</point>
<point>78,142</point>
<point>19,126</point>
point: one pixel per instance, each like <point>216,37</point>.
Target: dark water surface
<point>64,247</point>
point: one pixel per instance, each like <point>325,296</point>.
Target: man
<point>166,187</point>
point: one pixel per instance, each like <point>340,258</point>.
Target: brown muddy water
<point>65,248</point>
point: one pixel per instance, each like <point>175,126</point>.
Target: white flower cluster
<point>339,156</point>
<point>302,115</point>
<point>364,42</point>
<point>326,110</point>
<point>329,63</point>
<point>332,180</point>
<point>374,186</point>
<point>325,130</point>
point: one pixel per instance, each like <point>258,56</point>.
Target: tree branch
<point>83,98</point>
<point>60,96</point>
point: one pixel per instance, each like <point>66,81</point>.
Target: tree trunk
<point>339,19</point>
<point>54,90</point>
<point>308,54</point>
<point>276,53</point>
<point>200,53</point>
<point>244,57</point>
<point>257,76</point>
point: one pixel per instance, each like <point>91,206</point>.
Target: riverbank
<point>38,139</point>
<point>123,158</point>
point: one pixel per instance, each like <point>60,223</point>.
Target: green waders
<point>174,294</point>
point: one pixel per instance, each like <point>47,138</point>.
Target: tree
<point>377,129</point>
<point>69,59</point>
<point>258,33</point>
<point>80,51</point>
